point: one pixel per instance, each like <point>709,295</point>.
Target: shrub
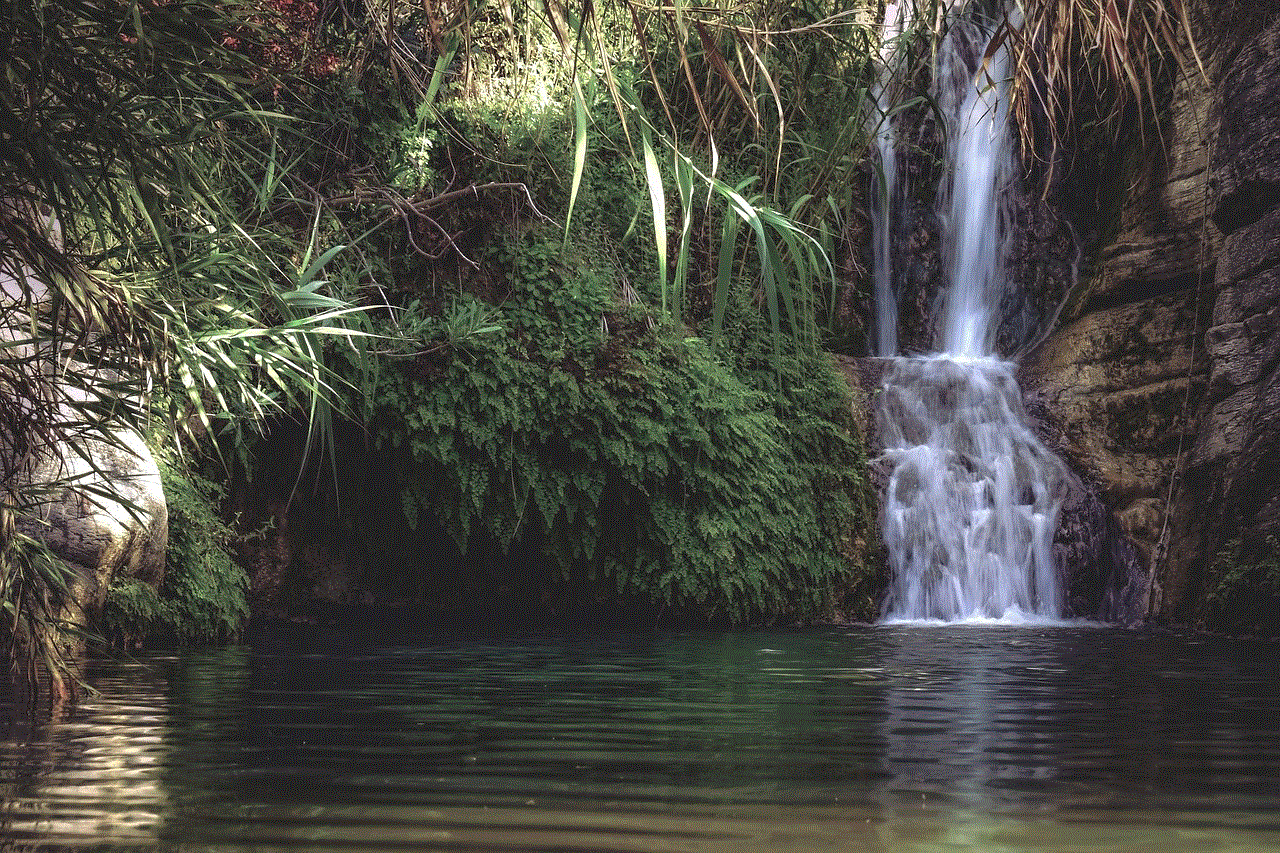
<point>202,596</point>
<point>648,466</point>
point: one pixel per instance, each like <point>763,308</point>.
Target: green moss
<point>202,597</point>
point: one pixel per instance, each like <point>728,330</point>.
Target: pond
<point>885,738</point>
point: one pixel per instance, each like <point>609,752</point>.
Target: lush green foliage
<point>660,426</point>
<point>632,385</point>
<point>635,362</point>
<point>202,596</point>
<point>1243,587</point>
<point>32,580</point>
<point>647,465</point>
<point>136,168</point>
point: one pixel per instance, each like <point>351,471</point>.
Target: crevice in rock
<point>1246,204</point>
<point>1141,290</point>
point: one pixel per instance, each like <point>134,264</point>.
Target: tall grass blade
<point>658,207</point>
<point>438,74</point>
<point>727,250</point>
<point>684,183</point>
<point>579,153</point>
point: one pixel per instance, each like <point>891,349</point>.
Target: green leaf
<point>684,183</point>
<point>724,270</point>
<point>658,209</point>
<point>579,153</point>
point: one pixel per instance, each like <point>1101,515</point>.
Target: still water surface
<point>893,738</point>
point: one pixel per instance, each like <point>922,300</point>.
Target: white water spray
<point>980,151</point>
<point>973,500</point>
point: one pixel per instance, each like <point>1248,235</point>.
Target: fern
<point>659,472</point>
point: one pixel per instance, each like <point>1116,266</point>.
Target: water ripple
<point>884,739</point>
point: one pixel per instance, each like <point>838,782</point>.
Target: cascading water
<point>973,499</point>
<point>886,328</point>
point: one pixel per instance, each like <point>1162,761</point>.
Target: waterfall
<point>974,101</point>
<point>886,329</point>
<point>973,497</point>
<point>884,184</point>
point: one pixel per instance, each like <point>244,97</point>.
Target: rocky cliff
<point>1161,382</point>
<point>1234,467</point>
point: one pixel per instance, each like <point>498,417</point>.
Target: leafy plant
<point>33,581</point>
<point>203,595</point>
<point>138,270</point>
<point>227,183</point>
<point>1243,586</point>
<point>649,470</point>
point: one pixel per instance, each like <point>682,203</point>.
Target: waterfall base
<point>973,500</point>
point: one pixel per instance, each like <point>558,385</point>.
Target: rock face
<point>68,492</point>
<point>98,537</point>
<point>1234,466</point>
<point>1161,382</point>
<point>1119,388</point>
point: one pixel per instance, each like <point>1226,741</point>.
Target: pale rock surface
<point>102,539</point>
<point>99,538</point>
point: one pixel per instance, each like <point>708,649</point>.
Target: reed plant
<point>1107,61</point>
<point>139,279</point>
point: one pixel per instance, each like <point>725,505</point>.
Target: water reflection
<point>882,739</point>
<point>92,773</point>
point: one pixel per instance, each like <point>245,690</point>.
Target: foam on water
<point>973,499</point>
<point>1012,619</point>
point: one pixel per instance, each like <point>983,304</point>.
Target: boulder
<point>91,493</point>
<point>99,536</point>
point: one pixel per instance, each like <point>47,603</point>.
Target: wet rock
<point>1121,387</point>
